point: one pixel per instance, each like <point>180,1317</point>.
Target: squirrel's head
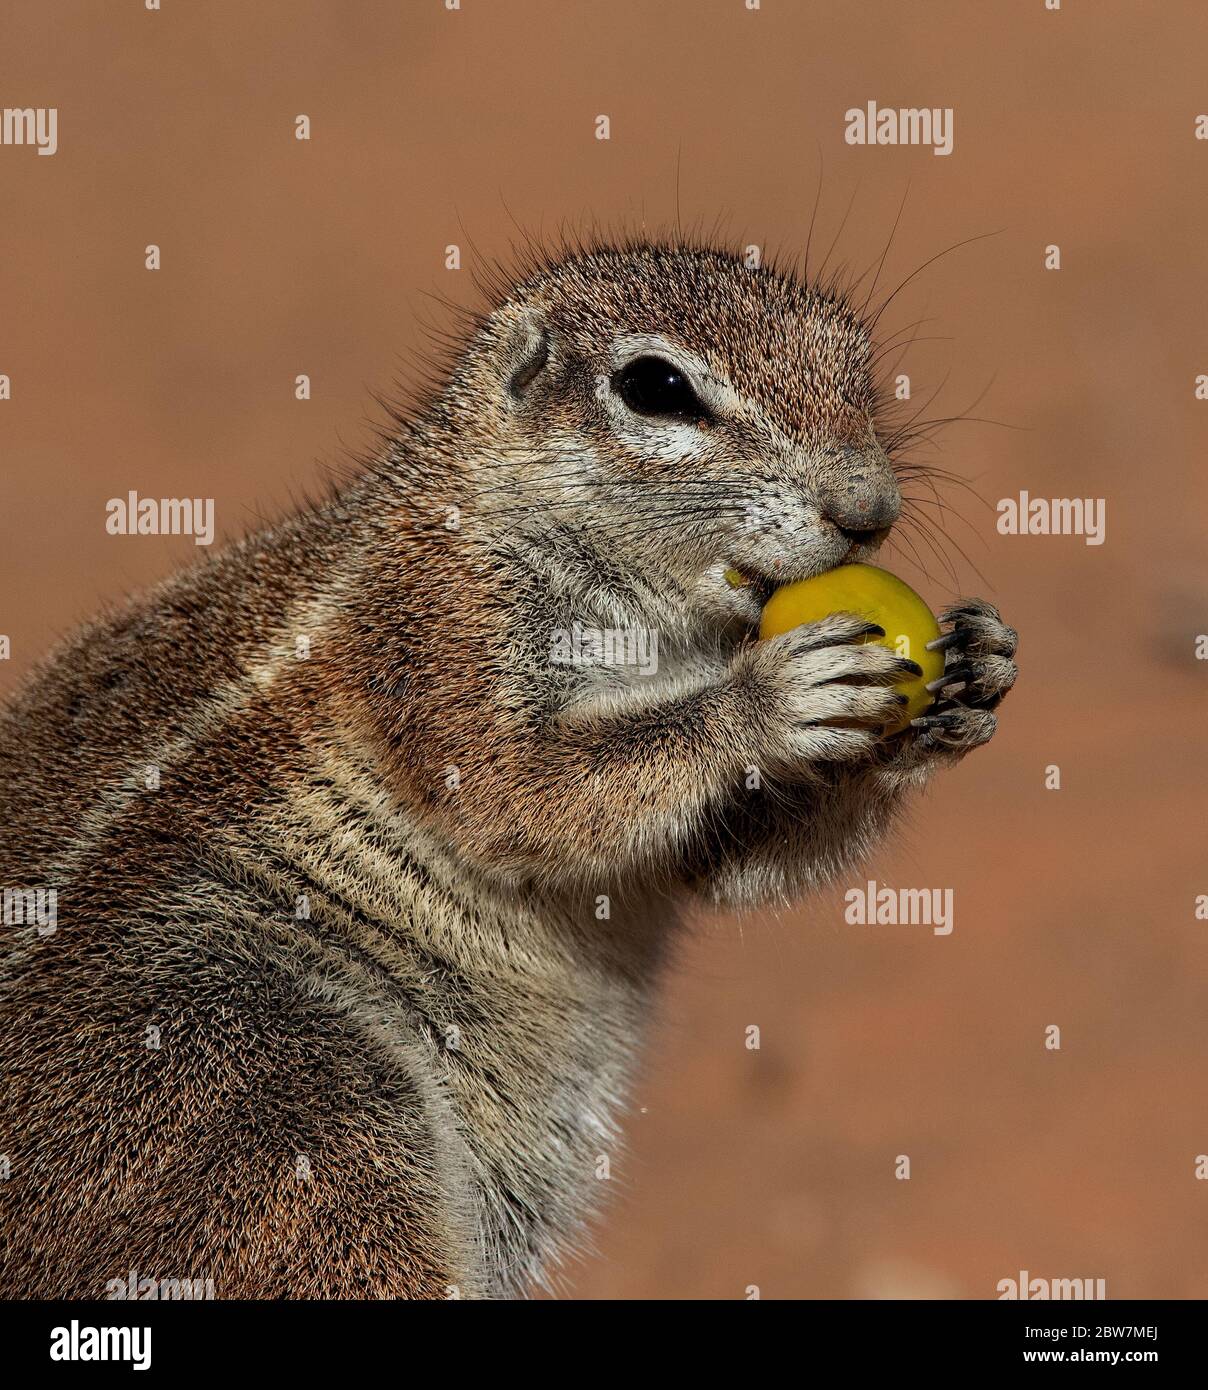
<point>687,413</point>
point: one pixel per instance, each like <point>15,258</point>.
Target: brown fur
<point>406,1089</point>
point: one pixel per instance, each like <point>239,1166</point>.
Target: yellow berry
<point>880,597</point>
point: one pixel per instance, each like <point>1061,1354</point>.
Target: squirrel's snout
<point>860,496</point>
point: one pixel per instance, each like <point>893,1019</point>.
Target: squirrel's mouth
<point>760,584</point>
<point>749,587</point>
<point>754,585</point>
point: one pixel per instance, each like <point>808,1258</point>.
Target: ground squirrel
<point>362,889</point>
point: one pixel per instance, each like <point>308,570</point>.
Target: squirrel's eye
<point>654,386</point>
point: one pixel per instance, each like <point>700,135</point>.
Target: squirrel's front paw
<point>825,695</point>
<point>978,672</point>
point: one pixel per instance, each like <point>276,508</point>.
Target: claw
<point>811,644</point>
<point>948,639</point>
<point>936,721</point>
<point>949,678</point>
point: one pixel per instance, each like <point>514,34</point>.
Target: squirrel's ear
<point>527,354</point>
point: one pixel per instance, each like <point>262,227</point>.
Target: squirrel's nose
<point>859,494</point>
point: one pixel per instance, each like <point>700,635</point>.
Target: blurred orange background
<point>1076,907</point>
